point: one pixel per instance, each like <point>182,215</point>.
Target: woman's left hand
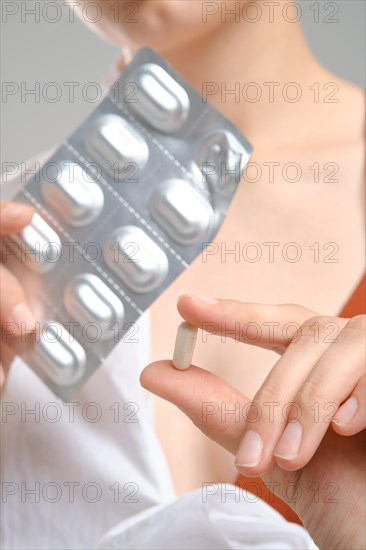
<point>290,434</point>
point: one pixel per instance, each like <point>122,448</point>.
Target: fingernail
<point>289,444</point>
<point>22,314</point>
<point>13,211</point>
<point>346,412</point>
<point>203,299</point>
<point>250,450</point>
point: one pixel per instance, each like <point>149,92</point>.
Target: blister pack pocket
<point>123,207</point>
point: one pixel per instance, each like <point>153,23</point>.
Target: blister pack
<point>123,207</point>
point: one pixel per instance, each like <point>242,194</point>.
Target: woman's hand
<point>14,310</point>
<point>284,434</point>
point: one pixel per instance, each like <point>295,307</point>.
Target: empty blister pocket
<point>221,160</point>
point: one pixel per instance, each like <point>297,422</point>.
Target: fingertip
<point>21,315</point>
<point>152,371</point>
<point>192,307</point>
<point>7,357</point>
<point>200,300</point>
<point>143,377</point>
<point>346,412</point>
<point>348,429</point>
<point>289,465</point>
<point>340,429</point>
<point>183,298</point>
<point>160,378</point>
<point>182,388</point>
<point>248,472</point>
<point>15,216</point>
<point>185,304</point>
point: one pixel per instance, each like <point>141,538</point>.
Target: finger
<point>351,415</point>
<point>206,399</point>
<point>267,416</point>
<point>267,326</point>
<point>330,382</point>
<point>14,217</point>
<point>15,314</point>
<point>203,397</point>
<point>6,358</point>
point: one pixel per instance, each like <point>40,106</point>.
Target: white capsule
<point>184,346</point>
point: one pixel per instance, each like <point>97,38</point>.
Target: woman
<point>282,230</point>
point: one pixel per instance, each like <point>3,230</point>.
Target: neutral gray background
<point>68,52</point>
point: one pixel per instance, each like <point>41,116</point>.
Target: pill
<point>59,356</point>
<point>136,259</point>
<point>184,346</point>
<point>160,100</point>
<point>181,211</point>
<point>89,301</point>
<point>78,200</point>
<point>115,143</point>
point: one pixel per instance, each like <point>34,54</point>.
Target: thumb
<point>209,402</point>
<point>14,217</point>
<point>203,397</point>
<point>267,326</point>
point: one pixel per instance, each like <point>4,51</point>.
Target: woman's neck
<point>246,70</point>
<point>262,76</point>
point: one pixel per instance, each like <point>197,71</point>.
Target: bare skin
<point>14,307</point>
<point>279,211</point>
<point>321,474</point>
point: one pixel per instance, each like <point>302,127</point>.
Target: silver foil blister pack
<point>123,207</point>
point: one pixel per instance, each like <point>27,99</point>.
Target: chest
<point>283,241</point>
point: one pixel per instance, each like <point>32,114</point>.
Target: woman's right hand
<point>320,375</point>
<point>15,313</point>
